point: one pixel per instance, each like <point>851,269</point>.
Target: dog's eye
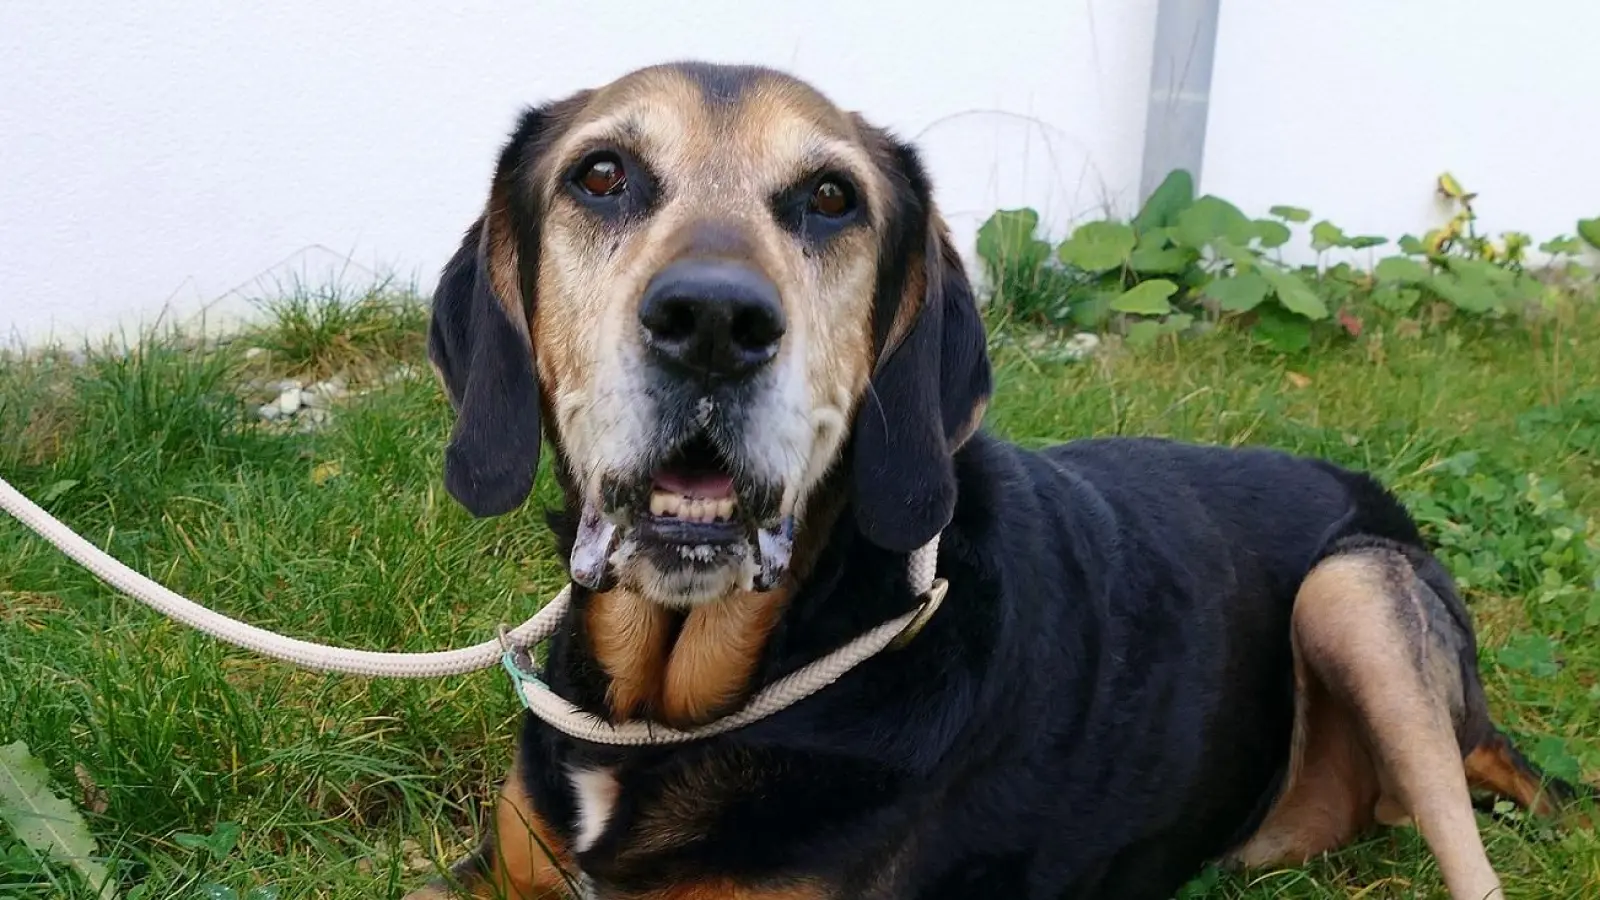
<point>603,176</point>
<point>833,198</point>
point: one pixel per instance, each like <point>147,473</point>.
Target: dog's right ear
<point>480,343</point>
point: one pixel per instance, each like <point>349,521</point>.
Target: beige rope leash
<point>511,647</point>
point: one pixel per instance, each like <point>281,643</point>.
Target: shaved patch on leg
<point>1359,619</point>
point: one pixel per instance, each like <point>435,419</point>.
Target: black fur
<point>484,357</point>
<point>926,389</point>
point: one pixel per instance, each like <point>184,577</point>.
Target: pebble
<point>253,352</point>
<point>270,412</point>
<point>1081,345</point>
<point>290,400</point>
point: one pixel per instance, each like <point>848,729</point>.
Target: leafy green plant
<point>1185,259</point>
<point>46,823</point>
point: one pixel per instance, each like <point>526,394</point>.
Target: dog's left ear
<point>932,380</point>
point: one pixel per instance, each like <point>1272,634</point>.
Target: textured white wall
<point>1352,108</point>
<point>171,155</point>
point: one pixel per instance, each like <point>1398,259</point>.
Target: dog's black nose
<point>712,317</point>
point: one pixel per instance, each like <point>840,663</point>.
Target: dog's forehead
<point>745,123</point>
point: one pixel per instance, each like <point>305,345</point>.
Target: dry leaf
<point>94,796</point>
<point>1298,380</point>
<point>325,471</point>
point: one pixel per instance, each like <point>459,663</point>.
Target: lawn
<point>205,771</point>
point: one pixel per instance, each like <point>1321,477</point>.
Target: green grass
<point>170,742</point>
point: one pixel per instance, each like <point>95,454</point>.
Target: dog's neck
<point>687,667</point>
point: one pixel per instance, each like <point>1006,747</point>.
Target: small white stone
<point>1081,345</point>
<point>270,412</point>
<point>253,352</point>
<point>287,384</point>
<point>315,397</point>
<point>290,401</point>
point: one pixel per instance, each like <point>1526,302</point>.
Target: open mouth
<point>694,485</point>
<point>697,517</point>
<point>692,497</point>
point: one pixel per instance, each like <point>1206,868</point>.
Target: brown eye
<point>603,177</point>
<point>832,199</point>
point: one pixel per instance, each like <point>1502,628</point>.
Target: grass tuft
<point>312,332</point>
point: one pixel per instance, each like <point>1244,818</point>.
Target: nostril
<point>673,320</point>
<point>757,327</point>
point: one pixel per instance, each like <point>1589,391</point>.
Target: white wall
<point>1352,108</point>
<point>170,153</point>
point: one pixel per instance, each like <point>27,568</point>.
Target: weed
<point>1185,259</point>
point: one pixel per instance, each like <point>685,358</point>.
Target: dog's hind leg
<point>1386,647</point>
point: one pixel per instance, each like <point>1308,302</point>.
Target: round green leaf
<point>1172,197</point>
<point>1281,330</point>
<point>1098,246</point>
<point>1007,239</point>
<point>1239,293</point>
<point>1589,230</point>
<point>1291,213</point>
<point>1400,270</point>
<point>1295,295</point>
<point>1565,244</point>
<point>1156,260</point>
<point>1467,294</point>
<point>1271,234</point>
<point>1326,235</point>
<point>1211,219</point>
<point>1147,298</point>
<point>1363,241</point>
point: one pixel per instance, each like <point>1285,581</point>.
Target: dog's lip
<point>672,530</point>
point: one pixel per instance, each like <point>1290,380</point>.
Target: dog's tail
<point>1496,769</point>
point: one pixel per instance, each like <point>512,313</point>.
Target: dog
<point>735,315</point>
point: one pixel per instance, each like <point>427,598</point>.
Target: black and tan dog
<point>732,308</point>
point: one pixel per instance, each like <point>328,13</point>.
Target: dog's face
<point>713,282</point>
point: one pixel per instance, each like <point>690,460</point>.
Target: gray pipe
<point>1180,90</point>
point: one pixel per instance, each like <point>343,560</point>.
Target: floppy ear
<point>932,380</point>
<point>480,345</point>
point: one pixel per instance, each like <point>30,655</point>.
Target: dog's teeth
<point>692,509</point>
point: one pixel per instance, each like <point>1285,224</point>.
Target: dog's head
<point>709,288</point>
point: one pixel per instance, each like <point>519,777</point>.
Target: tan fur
<point>712,662</point>
<point>1332,785</point>
<point>1493,766</point>
<point>629,635</point>
<point>1379,733</point>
